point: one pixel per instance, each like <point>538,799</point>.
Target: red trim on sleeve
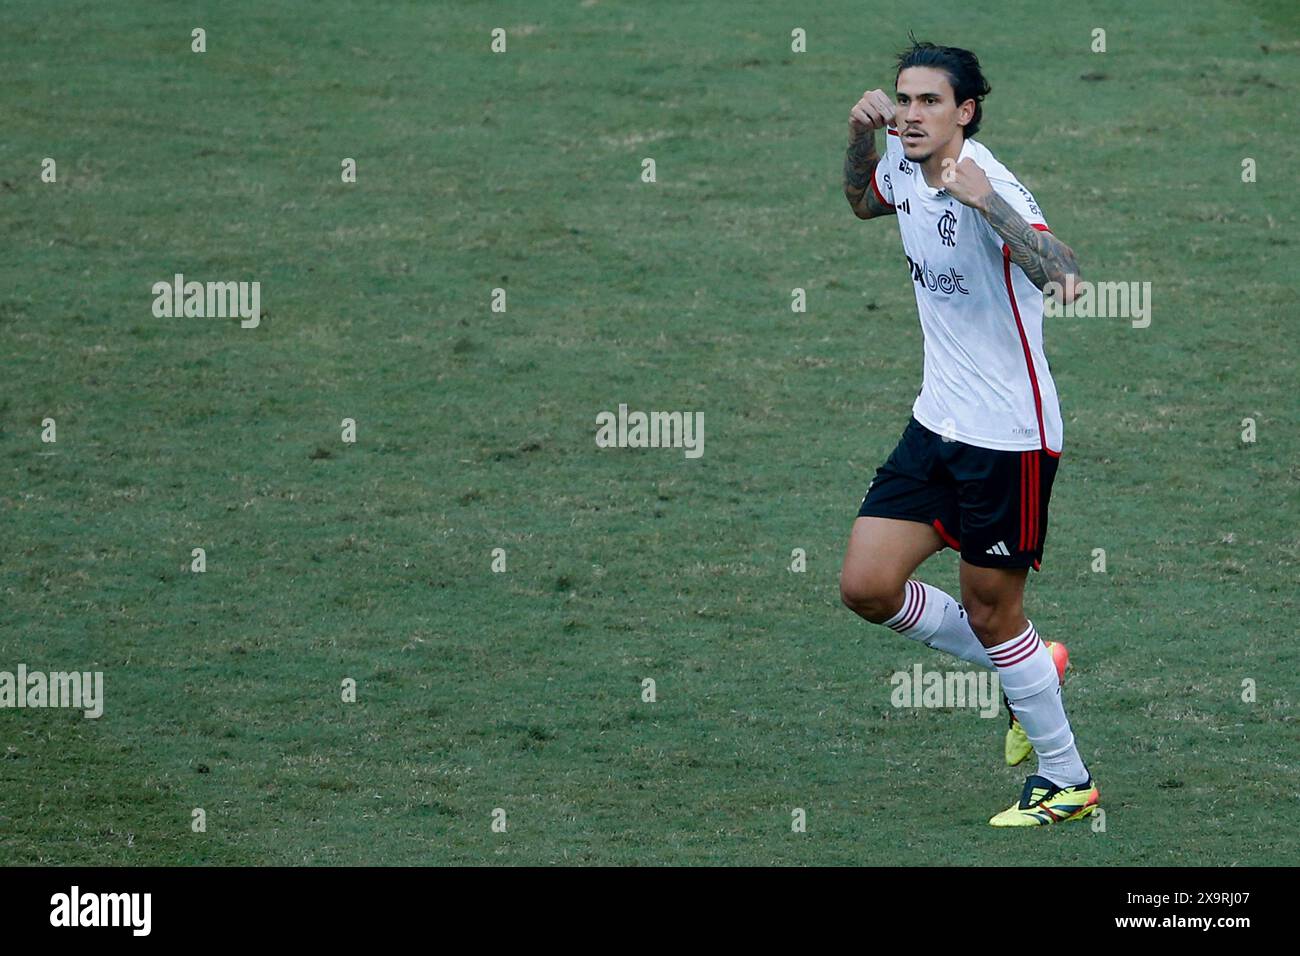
<point>1037,225</point>
<point>876,189</point>
<point>891,131</point>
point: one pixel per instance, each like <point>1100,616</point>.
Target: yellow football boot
<point>1043,802</point>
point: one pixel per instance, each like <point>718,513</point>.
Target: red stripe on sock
<point>902,612</point>
<point>918,605</point>
<point>904,624</point>
<point>1012,648</point>
<point>908,601</point>
<point>1024,654</point>
<point>1014,644</point>
<point>920,609</point>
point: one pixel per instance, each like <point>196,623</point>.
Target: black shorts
<point>989,505</point>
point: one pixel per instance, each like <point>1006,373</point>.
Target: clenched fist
<point>874,111</point>
<point>966,182</point>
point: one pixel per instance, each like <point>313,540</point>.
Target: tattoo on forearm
<point>1042,256</point>
<point>859,166</point>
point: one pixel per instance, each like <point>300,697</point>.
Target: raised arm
<point>1042,256</point>
<point>874,111</point>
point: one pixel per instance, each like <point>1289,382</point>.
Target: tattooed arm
<point>859,166</point>
<point>1044,258</point>
<point>875,110</point>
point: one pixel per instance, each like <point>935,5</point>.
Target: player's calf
<point>994,601</point>
<point>994,623</point>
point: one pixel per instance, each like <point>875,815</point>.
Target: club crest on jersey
<point>945,282</point>
<point>947,227</point>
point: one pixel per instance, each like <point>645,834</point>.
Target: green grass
<point>475,431</point>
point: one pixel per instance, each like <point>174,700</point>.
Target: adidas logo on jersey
<point>999,548</point>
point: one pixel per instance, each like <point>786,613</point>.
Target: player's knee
<point>981,616</point>
<point>991,621</point>
<point>870,597</point>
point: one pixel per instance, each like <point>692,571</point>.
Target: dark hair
<point>963,69</point>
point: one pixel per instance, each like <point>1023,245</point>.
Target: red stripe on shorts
<point>1033,515</point>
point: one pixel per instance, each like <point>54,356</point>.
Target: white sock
<point>936,620</point>
<point>1033,687</point>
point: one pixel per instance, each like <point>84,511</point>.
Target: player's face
<point>927,114</point>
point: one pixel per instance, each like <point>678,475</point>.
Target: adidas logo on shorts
<point>999,548</point>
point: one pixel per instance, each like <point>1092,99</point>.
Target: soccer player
<point>973,469</point>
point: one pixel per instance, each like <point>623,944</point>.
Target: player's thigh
<point>882,554</point>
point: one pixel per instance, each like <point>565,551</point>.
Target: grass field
<point>522,690</point>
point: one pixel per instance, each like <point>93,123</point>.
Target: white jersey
<point>986,382</point>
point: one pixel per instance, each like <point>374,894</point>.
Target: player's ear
<point>965,113</point>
